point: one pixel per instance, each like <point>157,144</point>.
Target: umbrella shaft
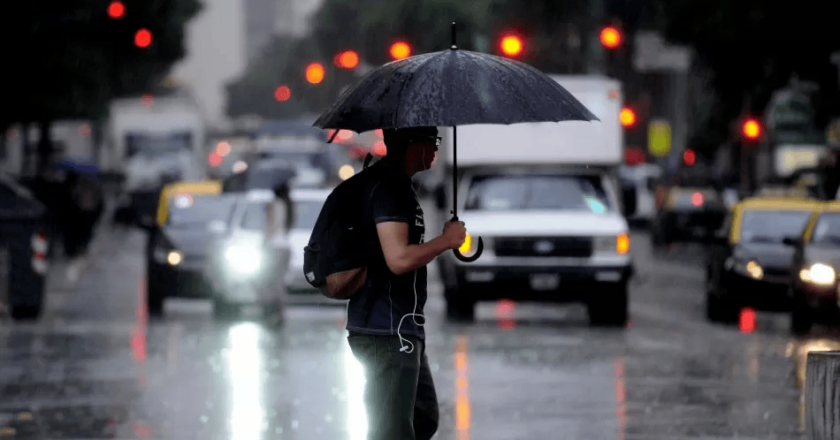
<point>455,173</point>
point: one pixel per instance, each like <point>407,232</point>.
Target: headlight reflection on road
<point>357,423</point>
<point>462,389</point>
<point>245,365</point>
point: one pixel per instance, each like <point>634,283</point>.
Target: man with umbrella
<point>408,99</point>
<point>385,318</point>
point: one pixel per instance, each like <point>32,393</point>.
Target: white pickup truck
<point>546,199</point>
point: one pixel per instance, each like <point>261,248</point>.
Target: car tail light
<point>40,245</point>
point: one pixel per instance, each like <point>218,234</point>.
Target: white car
<point>307,206</point>
<point>251,262</point>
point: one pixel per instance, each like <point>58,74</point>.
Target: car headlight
<point>244,257</point>
<point>819,273</point>
<point>612,244</point>
<point>750,269</point>
<point>163,255</point>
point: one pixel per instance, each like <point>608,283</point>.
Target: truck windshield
<point>537,192</point>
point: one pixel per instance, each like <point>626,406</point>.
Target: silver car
<point>251,262</point>
<point>307,206</point>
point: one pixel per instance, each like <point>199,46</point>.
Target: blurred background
<point>157,152</point>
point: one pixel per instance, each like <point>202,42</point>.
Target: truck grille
<point>580,247</point>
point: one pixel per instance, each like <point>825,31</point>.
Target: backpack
<point>336,258</point>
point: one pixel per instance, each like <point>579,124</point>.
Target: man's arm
<point>402,257</point>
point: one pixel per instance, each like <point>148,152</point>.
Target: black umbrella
<point>451,88</point>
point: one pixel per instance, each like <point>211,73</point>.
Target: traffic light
<point>143,38</point>
<point>689,157</point>
<point>610,37</point>
<point>400,50</point>
<point>751,130</point>
<point>627,117</point>
<point>511,45</point>
<point>315,73</point>
<point>116,9</point>
<point>347,59</point>
<point>282,93</point>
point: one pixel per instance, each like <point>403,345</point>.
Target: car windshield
<point>306,213</point>
<point>255,217</point>
<point>827,229</point>
<point>189,210</point>
<point>537,192</point>
<point>772,226</point>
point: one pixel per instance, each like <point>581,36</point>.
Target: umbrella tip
<point>454,46</point>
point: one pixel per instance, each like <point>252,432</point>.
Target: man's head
<point>415,147</point>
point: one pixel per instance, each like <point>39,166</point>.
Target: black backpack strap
<point>368,206</point>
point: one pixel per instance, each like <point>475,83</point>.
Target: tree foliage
<point>753,48</point>
<point>69,58</point>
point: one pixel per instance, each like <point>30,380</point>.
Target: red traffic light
<point>116,9</point>
<point>610,37</point>
<point>511,45</point>
<point>627,117</point>
<point>143,38</point>
<point>282,93</point>
<point>751,129</point>
<point>400,50</point>
<point>347,59</point>
<point>315,73</point>
<point>689,157</point>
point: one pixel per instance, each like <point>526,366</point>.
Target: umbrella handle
<point>478,251</point>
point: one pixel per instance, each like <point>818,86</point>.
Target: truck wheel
<point>610,308</point>
<point>801,319</point>
<point>25,313</point>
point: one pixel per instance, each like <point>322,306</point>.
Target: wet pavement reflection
<point>96,367</point>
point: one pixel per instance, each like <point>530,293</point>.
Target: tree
<point>752,49</point>
<point>70,58</point>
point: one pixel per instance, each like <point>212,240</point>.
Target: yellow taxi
<point>815,288</point>
<point>191,217</point>
<point>749,261</point>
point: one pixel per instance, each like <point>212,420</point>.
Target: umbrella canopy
<point>451,88</point>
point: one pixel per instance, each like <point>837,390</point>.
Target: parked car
<point>24,249</point>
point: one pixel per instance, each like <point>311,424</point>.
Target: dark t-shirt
<point>378,307</point>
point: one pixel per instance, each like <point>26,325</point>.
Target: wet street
<point>95,367</point>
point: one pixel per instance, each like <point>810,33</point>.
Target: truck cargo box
<point>567,142</point>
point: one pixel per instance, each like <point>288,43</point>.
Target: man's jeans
<point>399,394</point>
